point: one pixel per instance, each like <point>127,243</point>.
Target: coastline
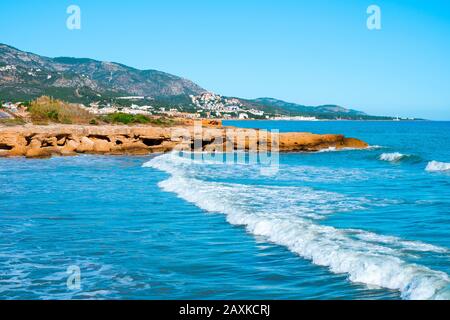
<point>34,141</point>
<point>335,120</point>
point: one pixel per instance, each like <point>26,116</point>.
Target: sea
<point>338,224</point>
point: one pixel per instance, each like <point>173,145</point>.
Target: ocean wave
<point>334,149</point>
<point>22,263</point>
<point>404,245</point>
<point>217,168</point>
<point>393,157</point>
<point>287,216</point>
<point>436,166</point>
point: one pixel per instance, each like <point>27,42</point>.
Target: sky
<point>308,52</point>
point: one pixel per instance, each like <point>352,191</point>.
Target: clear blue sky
<point>310,52</point>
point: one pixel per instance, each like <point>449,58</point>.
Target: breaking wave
<point>288,216</point>
<point>435,166</point>
<point>393,157</point>
<point>334,149</point>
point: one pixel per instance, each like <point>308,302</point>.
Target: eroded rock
<point>45,141</point>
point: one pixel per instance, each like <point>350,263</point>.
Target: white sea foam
<point>334,149</point>
<point>393,157</point>
<point>416,246</point>
<point>287,216</point>
<point>216,168</point>
<point>435,166</point>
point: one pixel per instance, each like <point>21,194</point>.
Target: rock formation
<point>64,140</point>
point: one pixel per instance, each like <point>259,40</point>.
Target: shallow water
<point>370,224</point>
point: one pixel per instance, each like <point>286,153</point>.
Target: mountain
<point>283,107</point>
<point>26,75</point>
<point>276,106</point>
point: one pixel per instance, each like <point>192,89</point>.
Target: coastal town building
<point>12,107</point>
<point>7,68</point>
<point>207,105</point>
<point>227,108</point>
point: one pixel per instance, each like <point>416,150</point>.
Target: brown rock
<point>86,145</point>
<point>46,152</point>
<point>69,147</point>
<point>101,146</point>
<point>44,141</point>
<point>354,143</point>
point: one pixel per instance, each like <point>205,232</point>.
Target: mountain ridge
<point>26,76</point>
<point>296,108</point>
<point>32,75</point>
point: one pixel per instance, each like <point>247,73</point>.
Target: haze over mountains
<point>25,76</point>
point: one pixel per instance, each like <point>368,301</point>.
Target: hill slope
<point>26,75</point>
<point>295,108</point>
<point>281,107</point>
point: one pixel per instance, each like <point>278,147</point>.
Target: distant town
<point>206,105</point>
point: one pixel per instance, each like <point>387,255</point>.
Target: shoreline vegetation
<point>47,110</point>
<point>47,127</point>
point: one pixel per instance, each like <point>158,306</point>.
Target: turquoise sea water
<point>371,224</point>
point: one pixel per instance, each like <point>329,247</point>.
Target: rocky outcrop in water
<point>65,140</point>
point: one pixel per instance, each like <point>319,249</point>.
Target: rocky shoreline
<point>34,141</point>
